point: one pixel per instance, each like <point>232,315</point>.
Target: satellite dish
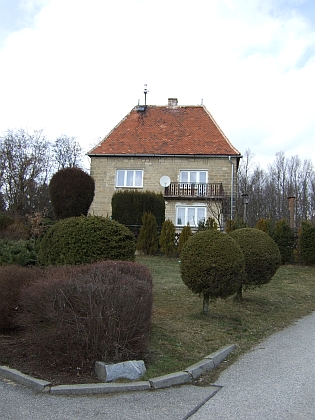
<point>165,181</point>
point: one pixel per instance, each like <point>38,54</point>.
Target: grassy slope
<point>181,335</point>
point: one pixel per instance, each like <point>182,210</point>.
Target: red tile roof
<point>164,130</point>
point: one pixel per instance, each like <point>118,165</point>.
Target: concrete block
<point>132,369</point>
<point>199,368</point>
<point>36,385</point>
<point>89,389</point>
<point>221,355</point>
<point>177,378</point>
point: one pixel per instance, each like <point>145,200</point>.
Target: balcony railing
<point>193,190</point>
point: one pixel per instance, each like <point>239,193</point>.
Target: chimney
<point>172,102</point>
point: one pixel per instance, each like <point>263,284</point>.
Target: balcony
<point>193,190</point>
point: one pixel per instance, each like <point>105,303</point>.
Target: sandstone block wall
<point>103,170</point>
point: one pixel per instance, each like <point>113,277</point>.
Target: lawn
<point>182,335</point>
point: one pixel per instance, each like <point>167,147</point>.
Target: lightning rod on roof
<point>145,94</point>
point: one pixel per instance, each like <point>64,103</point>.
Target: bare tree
<point>268,190</point>
<point>67,152</point>
<point>24,163</point>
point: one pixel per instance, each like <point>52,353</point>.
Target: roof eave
<point>162,155</point>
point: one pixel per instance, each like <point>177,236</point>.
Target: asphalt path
<point>276,381</point>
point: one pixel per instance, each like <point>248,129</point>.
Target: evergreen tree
<point>167,238</point>
<point>148,237</point>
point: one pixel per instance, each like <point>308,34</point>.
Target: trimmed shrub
<point>83,240</point>
<point>82,314</point>
<point>283,236</point>
<point>148,237</point>
<point>261,253</point>
<point>307,243</point>
<point>185,234</point>
<point>17,252</point>
<point>71,192</point>
<point>128,206</point>
<point>212,263</point>
<point>167,238</point>
<point>12,279</point>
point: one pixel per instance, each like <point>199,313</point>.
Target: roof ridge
<point>193,131</point>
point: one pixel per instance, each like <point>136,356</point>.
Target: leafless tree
<point>24,163</point>
<point>67,152</point>
<point>268,190</point>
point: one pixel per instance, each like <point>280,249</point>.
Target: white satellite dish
<point>165,181</point>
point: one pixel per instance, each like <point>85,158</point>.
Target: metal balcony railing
<point>193,190</point>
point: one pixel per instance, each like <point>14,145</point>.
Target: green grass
<point>182,335</point>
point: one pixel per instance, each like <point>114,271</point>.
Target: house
<point>177,150</point>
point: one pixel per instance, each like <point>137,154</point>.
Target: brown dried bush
<point>12,279</point>
<point>80,314</point>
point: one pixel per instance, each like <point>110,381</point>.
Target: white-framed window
<point>132,178</point>
<point>196,177</point>
<point>190,214</point>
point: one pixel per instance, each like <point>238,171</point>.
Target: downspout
<point>232,186</point>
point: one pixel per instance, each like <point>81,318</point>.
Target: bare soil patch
<point>18,352</point>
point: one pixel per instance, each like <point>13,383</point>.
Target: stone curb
<point>36,385</point>
<point>173,379</point>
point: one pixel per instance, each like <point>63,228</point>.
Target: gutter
<point>232,186</point>
<point>158,155</point>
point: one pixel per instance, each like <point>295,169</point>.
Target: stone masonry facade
<point>103,170</point>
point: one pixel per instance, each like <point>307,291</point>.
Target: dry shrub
<point>12,279</point>
<point>81,314</point>
<point>15,232</point>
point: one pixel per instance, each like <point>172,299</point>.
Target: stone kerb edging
<point>173,379</point>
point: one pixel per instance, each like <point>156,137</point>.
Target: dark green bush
<point>307,243</point>
<point>261,253</point>
<point>12,279</point>
<point>283,236</point>
<point>148,238</point>
<point>82,240</point>
<point>17,252</point>
<point>212,263</point>
<point>265,225</point>
<point>167,238</point>
<point>71,192</point>
<point>82,314</point>
<point>128,206</point>
<point>210,223</point>
<point>185,234</point>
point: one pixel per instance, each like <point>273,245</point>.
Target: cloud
<point>79,67</point>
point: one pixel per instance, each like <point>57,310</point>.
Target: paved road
<point>275,381</point>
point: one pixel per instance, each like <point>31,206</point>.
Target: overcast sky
<point>77,67</point>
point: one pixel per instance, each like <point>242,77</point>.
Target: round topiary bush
<point>71,191</point>
<point>212,263</point>
<point>83,240</point>
<point>261,253</point>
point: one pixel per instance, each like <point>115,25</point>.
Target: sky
<point>77,67</point>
